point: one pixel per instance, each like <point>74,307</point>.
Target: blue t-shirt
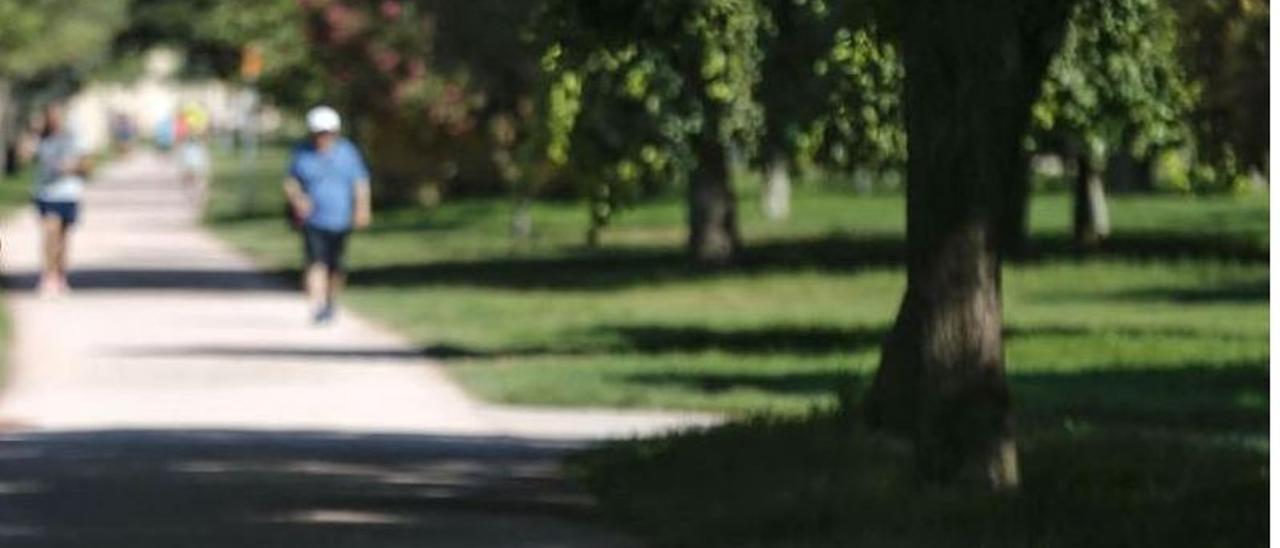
<point>329,178</point>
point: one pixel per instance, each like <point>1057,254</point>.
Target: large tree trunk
<point>1015,220</point>
<point>713,216</point>
<point>973,70</point>
<point>1091,220</point>
<point>775,201</point>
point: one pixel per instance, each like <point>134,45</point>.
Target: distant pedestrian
<point>328,192</point>
<point>193,152</point>
<point>61,167</point>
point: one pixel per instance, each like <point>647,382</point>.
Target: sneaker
<point>324,315</point>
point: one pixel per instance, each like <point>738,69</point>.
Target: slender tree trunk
<point>713,217</point>
<point>522,217</point>
<point>1091,219</point>
<point>6,125</point>
<point>1127,173</point>
<point>973,70</point>
<point>776,198</point>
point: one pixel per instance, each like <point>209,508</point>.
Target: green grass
<point>631,325</point>
<point>1140,372</point>
<point>822,482</point>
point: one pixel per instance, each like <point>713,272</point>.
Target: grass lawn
<point>1140,372</point>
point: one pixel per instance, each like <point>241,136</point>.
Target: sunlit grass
<point>1140,372</point>
<point>631,325</point>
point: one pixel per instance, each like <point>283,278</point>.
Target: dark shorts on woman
<point>67,212</point>
<point>327,247</point>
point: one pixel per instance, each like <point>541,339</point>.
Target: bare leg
<point>337,282</point>
<point>317,285</point>
<point>52,235</point>
<point>64,246</point>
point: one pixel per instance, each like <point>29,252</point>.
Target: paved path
<point>142,407</point>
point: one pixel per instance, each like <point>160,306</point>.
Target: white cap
<point>323,119</point>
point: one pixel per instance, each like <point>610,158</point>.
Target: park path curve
<point>172,343</point>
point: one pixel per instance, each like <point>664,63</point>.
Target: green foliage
<point>832,88</point>
<point>865,127</point>
<point>290,76</point>
<point>437,90</point>
<point>1225,45</point>
<point>639,84</point>
<point>1117,82</point>
<point>39,35</point>
<point>183,24</point>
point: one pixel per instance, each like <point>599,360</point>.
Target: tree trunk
<point>713,217</point>
<point>522,217</point>
<point>6,126</point>
<point>1126,173</point>
<point>776,199</point>
<point>1015,220</point>
<point>973,70</point>
<point>1091,220</point>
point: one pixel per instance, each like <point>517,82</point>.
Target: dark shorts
<point>327,247</point>
<point>68,212</point>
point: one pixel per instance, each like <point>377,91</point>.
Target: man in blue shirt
<point>328,191</point>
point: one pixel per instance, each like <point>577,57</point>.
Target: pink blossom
<point>391,9</point>
<point>385,59</point>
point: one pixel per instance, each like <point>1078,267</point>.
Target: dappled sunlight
<point>340,517</point>
<point>332,489</point>
<point>584,273</point>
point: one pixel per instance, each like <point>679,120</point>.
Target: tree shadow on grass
<point>822,481</point>
<point>1192,395</point>
<point>782,340</point>
<point>654,339</point>
<point>818,340</point>
<point>610,269</point>
<point>1239,292</point>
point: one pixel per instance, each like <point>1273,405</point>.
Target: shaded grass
<point>822,481</point>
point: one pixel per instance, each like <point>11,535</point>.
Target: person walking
<point>193,152</point>
<point>328,195</point>
<point>61,167</point>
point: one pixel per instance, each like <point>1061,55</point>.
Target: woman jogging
<point>61,169</point>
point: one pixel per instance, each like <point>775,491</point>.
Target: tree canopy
<point>1117,84</point>
<point>37,35</point>
<point>641,85</point>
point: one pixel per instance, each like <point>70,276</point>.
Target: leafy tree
<point>660,92</point>
<point>864,127</point>
<point>973,72</point>
<point>831,91</point>
<point>434,88</point>
<point>40,36</point>
<point>1226,47</point>
<point>1117,89</point>
<point>183,24</point>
